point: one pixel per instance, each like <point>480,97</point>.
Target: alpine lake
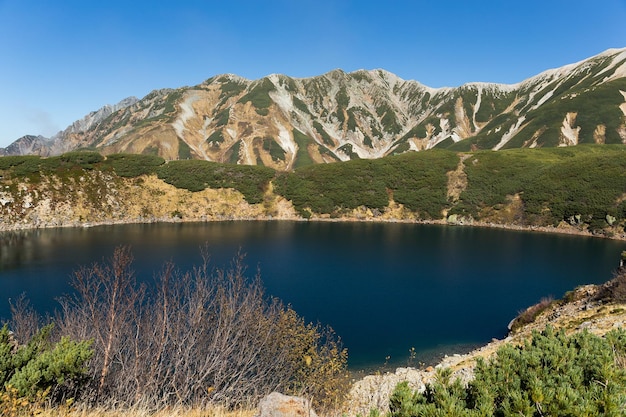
<point>397,294</point>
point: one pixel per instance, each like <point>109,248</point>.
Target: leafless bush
<point>25,322</point>
<point>615,289</point>
<point>530,314</point>
<point>197,337</point>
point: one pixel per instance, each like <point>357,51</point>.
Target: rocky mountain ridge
<point>285,122</point>
<point>62,141</point>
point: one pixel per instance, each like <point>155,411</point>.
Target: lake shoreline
<point>562,229</point>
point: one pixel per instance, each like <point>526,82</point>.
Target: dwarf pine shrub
<point>40,369</point>
<point>550,375</point>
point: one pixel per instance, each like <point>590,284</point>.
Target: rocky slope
<point>63,141</point>
<point>284,122</point>
<point>97,197</point>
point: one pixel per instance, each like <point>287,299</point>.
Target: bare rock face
<point>374,391</point>
<point>28,145</point>
<point>280,405</point>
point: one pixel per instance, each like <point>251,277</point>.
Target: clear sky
<point>61,59</point>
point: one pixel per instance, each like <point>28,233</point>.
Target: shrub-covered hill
<point>580,188</point>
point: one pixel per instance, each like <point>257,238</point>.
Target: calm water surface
<point>384,288</point>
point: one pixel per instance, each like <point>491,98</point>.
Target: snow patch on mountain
<point>282,97</point>
<point>615,72</point>
<point>543,99</point>
<point>205,125</point>
<point>479,95</point>
<point>492,87</point>
<point>508,135</point>
<point>569,133</point>
<point>186,113</point>
<point>623,105</point>
<point>285,140</point>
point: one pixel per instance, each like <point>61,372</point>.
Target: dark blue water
<point>384,288</point>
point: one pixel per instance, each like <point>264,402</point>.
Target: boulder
<point>280,405</point>
<point>374,391</point>
<point>610,219</point>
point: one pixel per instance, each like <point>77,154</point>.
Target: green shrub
<point>85,160</point>
<point>302,157</point>
<point>41,366</point>
<point>259,96</point>
<point>300,105</point>
<point>230,88</point>
<point>417,180</point>
<point>7,162</point>
<point>221,119</point>
<point>134,165</point>
<point>550,375</point>
<point>333,188</point>
<point>32,166</point>
<point>389,120</point>
<point>272,147</point>
<point>343,100</point>
<point>554,184</point>
<point>184,151</point>
<point>326,139</point>
<point>196,175</point>
<point>216,138</point>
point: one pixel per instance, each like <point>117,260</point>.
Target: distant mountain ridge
<point>285,122</point>
<point>62,141</point>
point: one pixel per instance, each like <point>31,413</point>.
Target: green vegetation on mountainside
<point>259,96</point>
<point>196,175</point>
<point>584,186</point>
<point>133,165</point>
<point>598,106</point>
<point>32,167</point>
<point>417,180</point>
<point>580,184</point>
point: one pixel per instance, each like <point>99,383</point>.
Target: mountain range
<point>285,122</point>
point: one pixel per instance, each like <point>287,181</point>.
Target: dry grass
<point>172,412</point>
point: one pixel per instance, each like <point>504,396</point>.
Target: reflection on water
<point>17,248</point>
<point>384,288</point>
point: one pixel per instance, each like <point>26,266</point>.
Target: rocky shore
<point>583,312</point>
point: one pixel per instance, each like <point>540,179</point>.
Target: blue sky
<point>61,59</point>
